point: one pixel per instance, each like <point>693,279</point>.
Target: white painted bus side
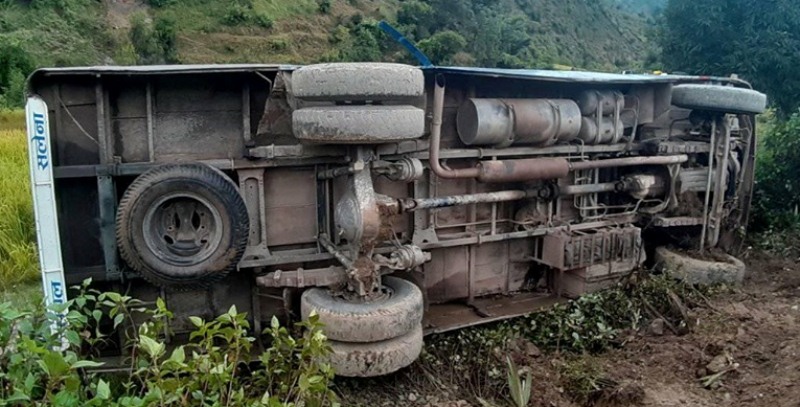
<point>44,203</point>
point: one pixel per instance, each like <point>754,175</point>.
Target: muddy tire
<point>698,271</point>
<point>395,315</point>
<point>358,124</point>
<point>358,82</point>
<point>376,358</point>
<point>182,225</point>
<point>719,99</point>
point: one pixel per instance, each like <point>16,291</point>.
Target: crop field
<point>18,262</point>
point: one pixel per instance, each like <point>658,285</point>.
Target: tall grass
<point>18,260</point>
<point>12,119</point>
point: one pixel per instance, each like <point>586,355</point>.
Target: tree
<point>15,66</point>
<point>443,46</point>
<point>756,39</point>
<point>777,193</point>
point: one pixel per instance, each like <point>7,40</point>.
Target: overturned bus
<point>393,201</point>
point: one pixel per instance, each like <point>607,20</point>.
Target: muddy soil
<point>744,350</point>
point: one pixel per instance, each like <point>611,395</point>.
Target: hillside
<point>510,33</point>
<point>645,7</point>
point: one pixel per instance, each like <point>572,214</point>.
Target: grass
<point>57,33</point>
<point>12,120</point>
<point>24,297</point>
<point>18,260</point>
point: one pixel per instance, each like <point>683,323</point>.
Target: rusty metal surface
<point>436,134</point>
<point>677,221</point>
<point>503,122</point>
<point>290,206</point>
<point>411,204</point>
<point>448,317</point>
<point>628,162</point>
<point>574,283</point>
<point>573,250</point>
<point>522,169</point>
<point>251,186</point>
<point>300,278</point>
<point>590,188</point>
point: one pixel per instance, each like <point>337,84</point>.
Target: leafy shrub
<point>324,6</point>
<point>777,194</point>
<point>44,366</point>
<point>154,42</point>
<point>242,13</point>
<point>237,14</point>
<point>593,322</point>
<point>359,41</point>
<point>580,378</point>
<point>278,44</point>
<point>263,21</point>
<point>167,38</point>
<point>443,46</point>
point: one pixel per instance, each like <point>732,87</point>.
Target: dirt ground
<point>753,333</point>
<point>744,350</point>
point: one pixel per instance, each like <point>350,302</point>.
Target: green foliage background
<point>717,37</point>
<point>760,41</point>
<point>508,33</point>
<point>756,39</point>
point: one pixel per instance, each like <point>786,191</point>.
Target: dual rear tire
<point>370,338</point>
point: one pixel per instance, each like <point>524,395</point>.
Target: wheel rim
<point>183,228</point>
<point>383,294</point>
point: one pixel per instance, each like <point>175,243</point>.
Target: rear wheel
<point>370,338</point>
<point>376,358</point>
<point>397,311</point>
<point>182,225</point>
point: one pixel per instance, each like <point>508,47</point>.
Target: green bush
<point>154,42</point>
<point>44,366</point>
<point>777,196</point>
<point>167,38</point>
<point>324,6</point>
<point>263,21</point>
<point>15,65</point>
<point>236,14</point>
<point>242,13</point>
<point>443,46</point>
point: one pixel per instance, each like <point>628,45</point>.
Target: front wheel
<point>713,269</point>
<point>724,99</point>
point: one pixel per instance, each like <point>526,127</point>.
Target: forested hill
<point>645,7</point>
<point>602,34</point>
